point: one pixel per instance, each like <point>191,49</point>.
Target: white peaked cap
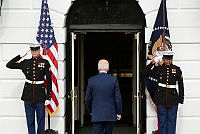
<point>169,53</point>
<point>34,45</point>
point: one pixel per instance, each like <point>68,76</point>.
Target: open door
<point>141,99</point>
<point>70,127</point>
<point>126,53</point>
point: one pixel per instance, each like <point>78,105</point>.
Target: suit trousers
<point>167,119</point>
<point>30,109</point>
<point>104,127</point>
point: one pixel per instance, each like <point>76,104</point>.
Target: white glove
<point>47,102</point>
<point>118,117</point>
<point>157,59</point>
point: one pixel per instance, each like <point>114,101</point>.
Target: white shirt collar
<point>102,72</point>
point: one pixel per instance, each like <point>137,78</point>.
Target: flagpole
<point>164,21</point>
<point>163,24</point>
<point>44,46</point>
<point>44,53</point>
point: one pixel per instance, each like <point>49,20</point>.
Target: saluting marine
<point>35,94</point>
<point>166,97</point>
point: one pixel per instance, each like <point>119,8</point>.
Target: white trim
<point>137,88</point>
<point>72,91</point>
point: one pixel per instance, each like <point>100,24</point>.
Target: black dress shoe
<point>155,132</point>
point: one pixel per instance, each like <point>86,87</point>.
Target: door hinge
<point>74,37</point>
<point>135,36</point>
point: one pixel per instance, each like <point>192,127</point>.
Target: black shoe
<point>51,131</point>
<point>155,132</point>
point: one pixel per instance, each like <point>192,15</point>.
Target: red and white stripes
<point>52,57</point>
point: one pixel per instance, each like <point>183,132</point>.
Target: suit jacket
<point>103,98</point>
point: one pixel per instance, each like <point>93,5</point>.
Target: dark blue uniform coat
<point>34,69</point>
<point>103,98</point>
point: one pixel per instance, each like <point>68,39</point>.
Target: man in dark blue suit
<point>103,100</point>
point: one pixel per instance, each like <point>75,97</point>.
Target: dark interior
<point>117,48</point>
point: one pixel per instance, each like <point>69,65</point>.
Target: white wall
<point>183,18</point>
<point>18,26</point>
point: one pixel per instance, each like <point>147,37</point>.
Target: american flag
<point>45,36</point>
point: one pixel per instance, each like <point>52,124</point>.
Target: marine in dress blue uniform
<point>166,96</point>
<point>103,101</point>
<point>34,93</point>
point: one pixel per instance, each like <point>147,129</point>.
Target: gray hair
<point>103,65</point>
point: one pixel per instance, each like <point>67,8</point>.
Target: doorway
<point>84,19</point>
<point>120,49</point>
